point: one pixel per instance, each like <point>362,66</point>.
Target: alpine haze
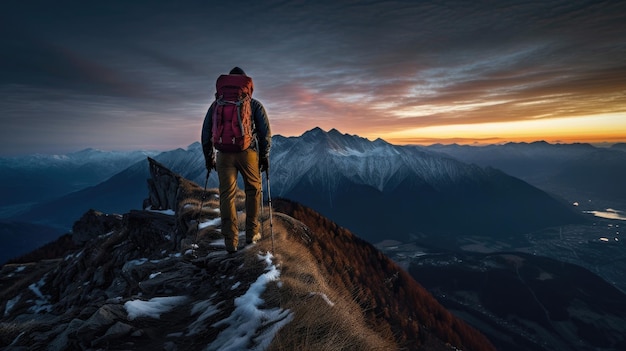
<point>409,189</point>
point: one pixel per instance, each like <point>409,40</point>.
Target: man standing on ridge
<point>236,125</point>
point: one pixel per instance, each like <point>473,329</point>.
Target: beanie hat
<point>237,70</point>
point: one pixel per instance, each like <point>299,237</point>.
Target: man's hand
<point>264,163</point>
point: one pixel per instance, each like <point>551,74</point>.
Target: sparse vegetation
<point>391,301</point>
<point>324,318</point>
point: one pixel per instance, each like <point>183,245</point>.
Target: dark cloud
<point>130,73</point>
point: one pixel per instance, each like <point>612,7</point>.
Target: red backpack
<point>232,113</point>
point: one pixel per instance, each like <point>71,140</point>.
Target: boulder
<point>94,223</point>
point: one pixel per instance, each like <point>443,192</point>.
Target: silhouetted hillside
<point>28,180</point>
<point>525,302</point>
<point>18,238</point>
<point>619,146</point>
<point>380,286</point>
<point>59,247</point>
<point>119,194</point>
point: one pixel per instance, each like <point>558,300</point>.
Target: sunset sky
<point>125,75</point>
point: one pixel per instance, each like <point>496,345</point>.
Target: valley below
<point>556,288</point>
<point>595,245</point>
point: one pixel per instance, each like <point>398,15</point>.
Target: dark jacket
<point>261,129</point>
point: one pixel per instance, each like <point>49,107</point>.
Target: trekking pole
<point>269,198</point>
<point>262,231</point>
<point>194,245</point>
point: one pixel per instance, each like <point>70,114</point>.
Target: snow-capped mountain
<point>408,189</point>
<point>327,157</point>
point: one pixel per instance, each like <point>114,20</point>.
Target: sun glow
<point>596,128</point>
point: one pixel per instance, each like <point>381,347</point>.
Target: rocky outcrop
<point>79,301</point>
<point>94,223</point>
<point>165,187</point>
<point>82,301</point>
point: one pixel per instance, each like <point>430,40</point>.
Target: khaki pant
<point>227,165</point>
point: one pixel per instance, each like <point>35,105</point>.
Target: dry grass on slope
<point>389,298</point>
<point>324,318</point>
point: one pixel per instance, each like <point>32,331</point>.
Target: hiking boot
<point>256,237</point>
<point>231,247</point>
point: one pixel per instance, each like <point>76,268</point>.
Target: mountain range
<point>98,284</point>
<point>582,173</point>
<point>33,179</point>
<point>408,190</point>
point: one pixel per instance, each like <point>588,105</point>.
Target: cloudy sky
<point>121,75</point>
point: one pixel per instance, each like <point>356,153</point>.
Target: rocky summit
<point>160,279</point>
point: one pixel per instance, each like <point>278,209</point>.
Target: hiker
<point>236,125</point>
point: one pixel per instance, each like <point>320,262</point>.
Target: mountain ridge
<point>415,178</point>
<point>340,175</point>
<point>25,181</point>
<point>159,278</point>
<point>576,172</point>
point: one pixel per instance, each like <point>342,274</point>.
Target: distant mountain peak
<point>315,132</point>
<point>195,146</point>
<point>334,131</point>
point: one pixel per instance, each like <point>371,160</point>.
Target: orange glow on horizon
<point>600,139</point>
<point>608,128</point>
